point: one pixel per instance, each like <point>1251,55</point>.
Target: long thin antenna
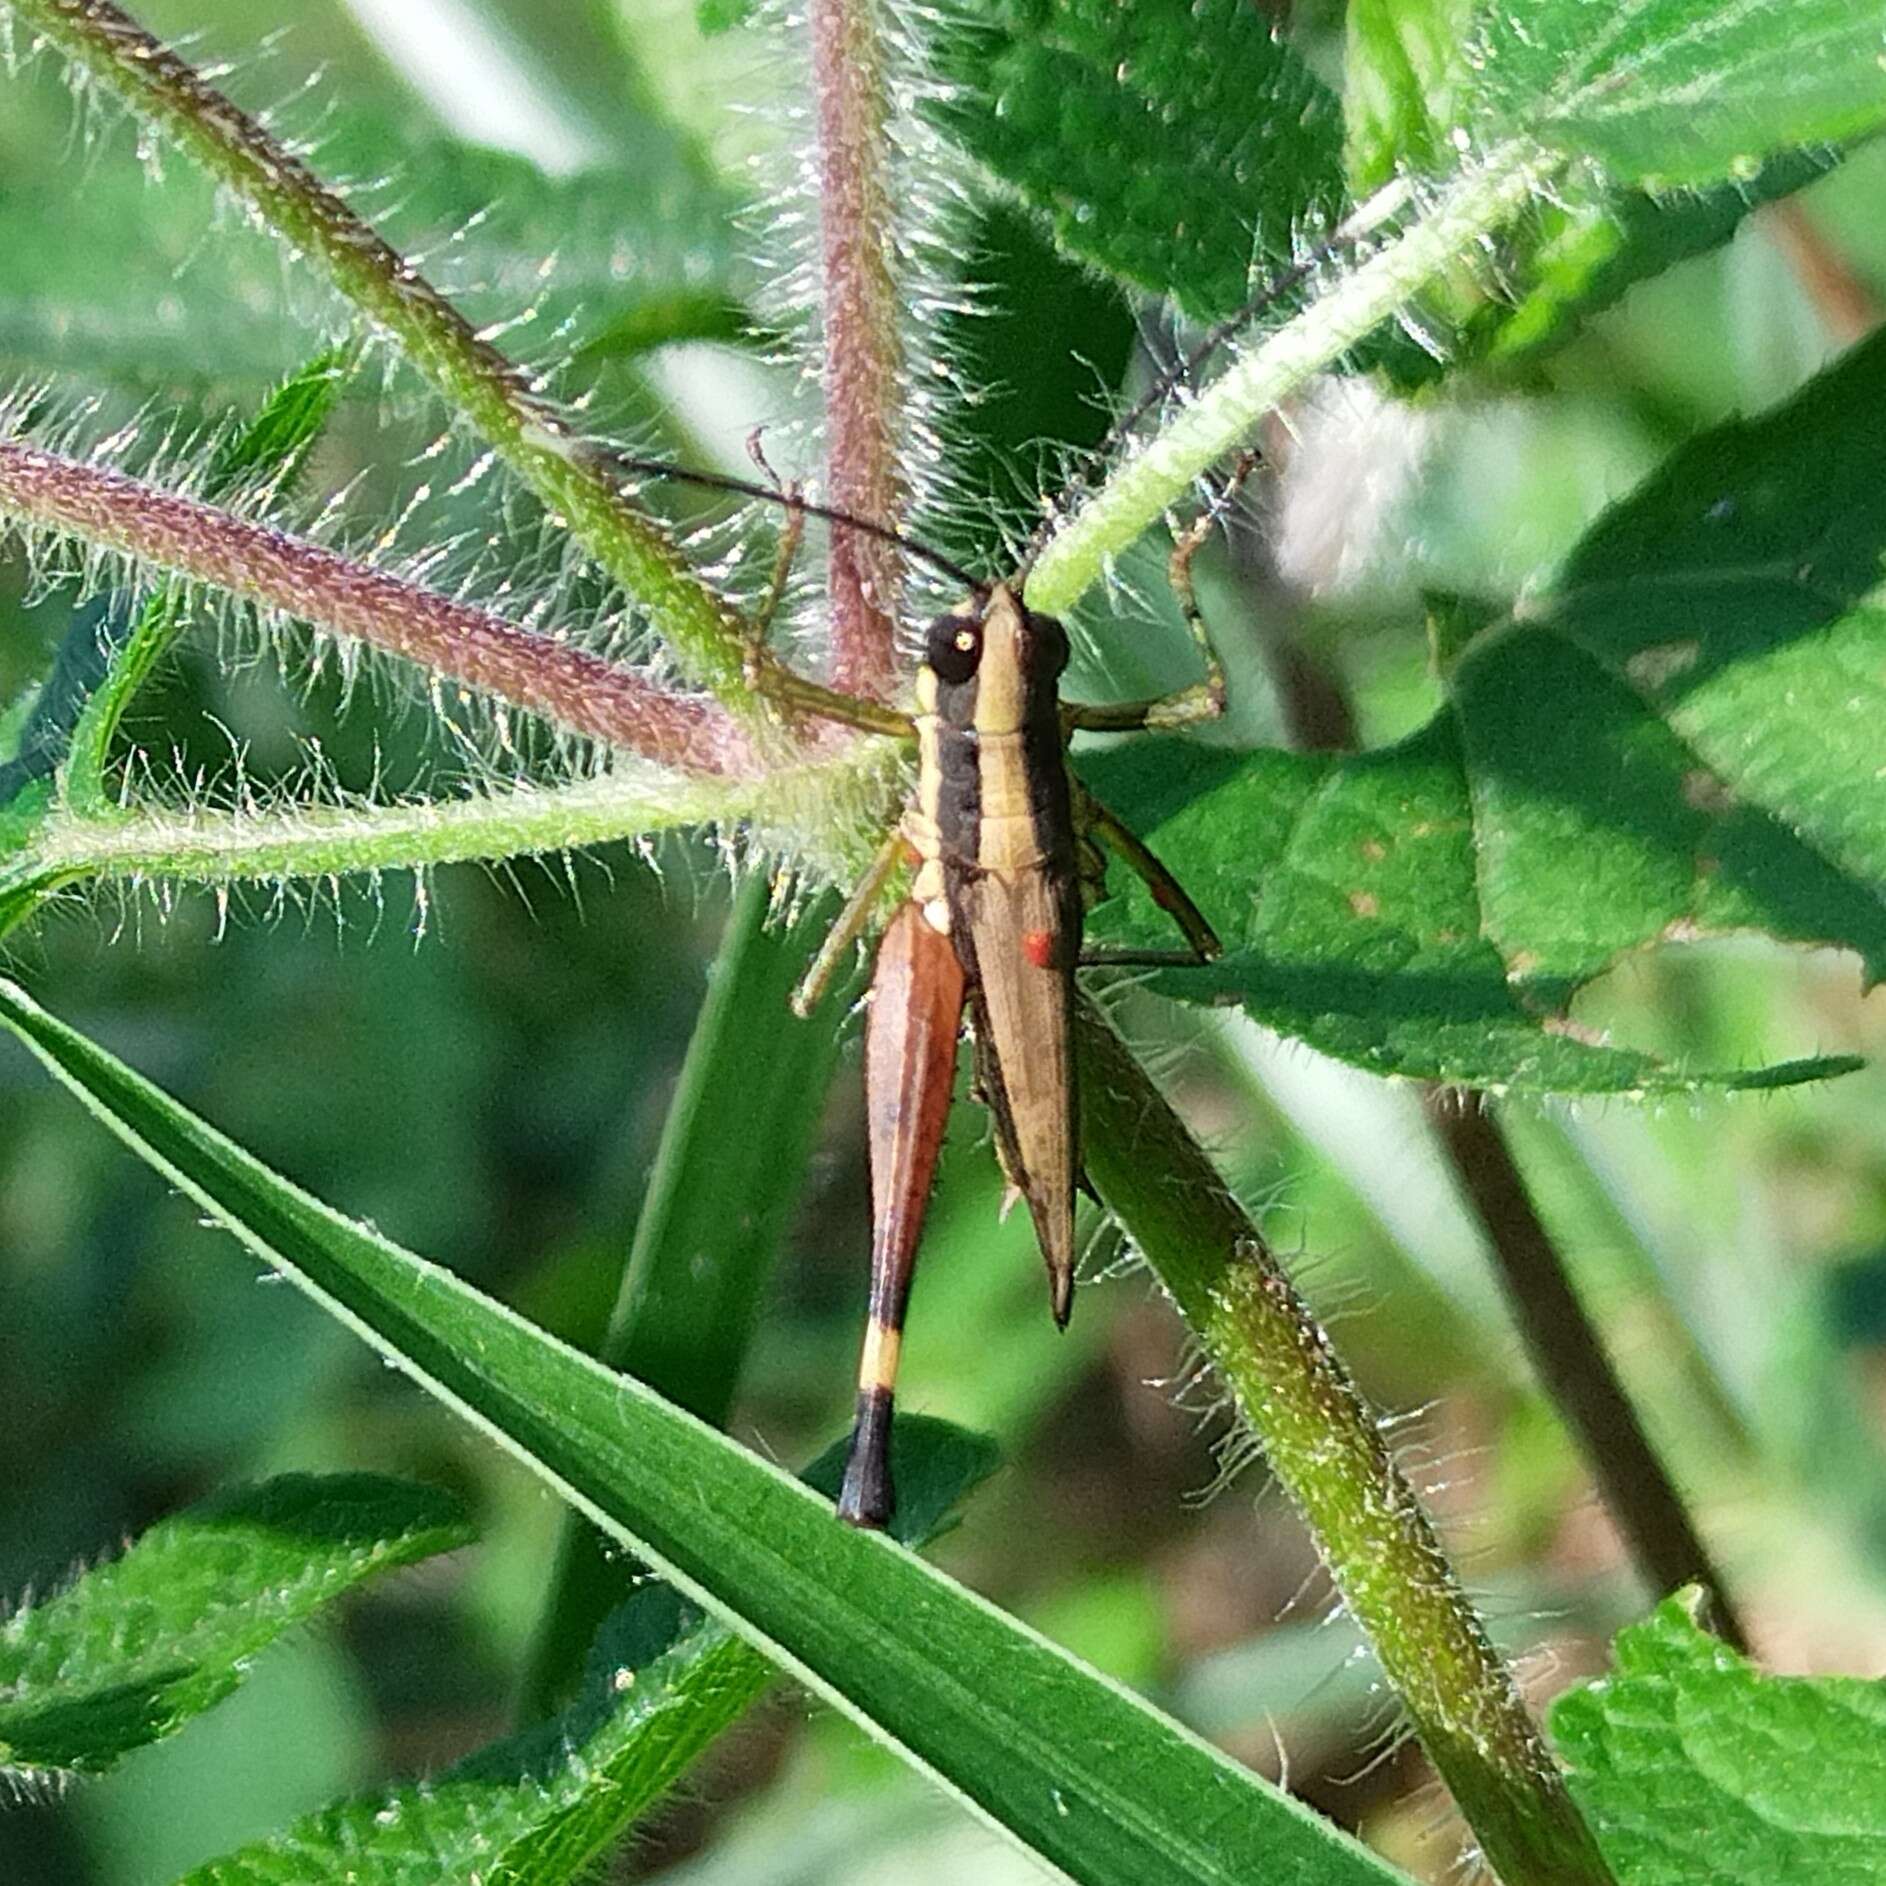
<point>791,501</point>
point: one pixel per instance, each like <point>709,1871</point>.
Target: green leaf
<point>1616,832</point>
<point>273,447</point>
<point>1734,594</point>
<point>130,1651</point>
<point>1402,69</point>
<point>727,1178</point>
<point>1407,70</point>
<point>1575,254</point>
<point>722,16</point>
<point>1586,251</point>
<point>1106,120</point>
<point>661,1681</point>
<point>39,734</point>
<point>1677,92</point>
<point>1692,1765</point>
<point>1678,739</point>
<point>1035,313</point>
<point>1074,1768</point>
<point>117,282</point>
<point>1183,148</point>
<point>42,723</point>
<point>1354,918</point>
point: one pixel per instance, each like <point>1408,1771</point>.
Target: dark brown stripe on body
<point>959,765</point>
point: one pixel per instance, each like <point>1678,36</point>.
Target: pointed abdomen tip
<point>1061,1296</point>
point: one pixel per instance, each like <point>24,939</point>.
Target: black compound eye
<point>1050,644</point>
<point>954,649</point>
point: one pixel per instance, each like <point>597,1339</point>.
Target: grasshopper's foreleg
<point>796,695</point>
<point>1167,892</point>
<point>850,925</point>
<point>1204,700</point>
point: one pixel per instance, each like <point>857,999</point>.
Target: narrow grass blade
<point>733,1154</point>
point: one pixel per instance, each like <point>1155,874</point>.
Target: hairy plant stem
<point>1159,472</point>
<point>1324,1444</point>
<point>458,642</point>
<point>574,479</point>
<point>317,842</point>
<point>863,349</point>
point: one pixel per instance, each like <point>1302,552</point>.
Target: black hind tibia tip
<point>866,1498</point>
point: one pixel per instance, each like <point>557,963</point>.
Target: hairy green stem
<point>1324,1443</point>
<point>863,364</point>
<point>571,686</point>
<point>1160,472</point>
<point>574,479</point>
<point>316,842</point>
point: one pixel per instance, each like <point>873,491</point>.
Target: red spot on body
<point>1038,947</point>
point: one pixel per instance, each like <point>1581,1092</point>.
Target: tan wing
<point>1024,929</point>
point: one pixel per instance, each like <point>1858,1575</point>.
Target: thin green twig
<point>1159,472</point>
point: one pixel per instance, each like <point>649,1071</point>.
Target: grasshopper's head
<point>997,666</point>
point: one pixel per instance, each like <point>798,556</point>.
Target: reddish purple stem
<point>571,686</point>
<point>863,355</point>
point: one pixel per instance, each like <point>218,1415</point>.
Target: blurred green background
<point>483,1072</point>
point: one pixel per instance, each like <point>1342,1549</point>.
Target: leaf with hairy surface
<point>1183,149</point>
<point>1693,1765</point>
<point>1677,92</point>
<point>661,1681</point>
<point>132,1649</point>
<point>1676,739</point>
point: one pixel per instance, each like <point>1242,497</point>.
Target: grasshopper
<point>1004,841</point>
